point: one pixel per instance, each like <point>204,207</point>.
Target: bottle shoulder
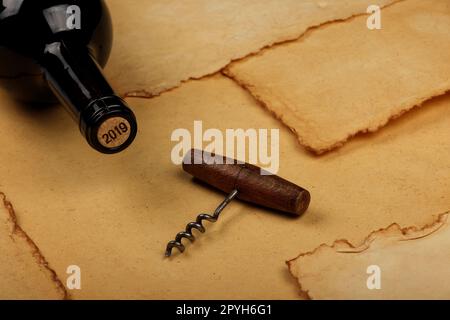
<point>27,26</point>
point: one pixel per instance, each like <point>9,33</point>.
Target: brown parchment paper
<point>24,272</point>
<point>412,264</point>
<point>113,215</point>
<point>160,43</point>
<point>343,78</point>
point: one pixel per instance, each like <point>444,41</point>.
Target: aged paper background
<point>112,216</point>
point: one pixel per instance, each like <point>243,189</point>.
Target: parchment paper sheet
<point>343,78</point>
<point>159,43</point>
<point>113,215</point>
<point>412,264</point>
<point>24,273</point>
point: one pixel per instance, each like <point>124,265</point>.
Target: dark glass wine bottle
<point>62,46</point>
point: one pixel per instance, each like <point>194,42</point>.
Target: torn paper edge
<point>392,231</point>
<point>17,231</point>
<point>370,127</point>
<point>146,94</point>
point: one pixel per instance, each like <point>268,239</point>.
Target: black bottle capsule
<point>55,49</point>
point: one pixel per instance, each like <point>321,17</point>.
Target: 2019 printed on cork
<point>225,150</point>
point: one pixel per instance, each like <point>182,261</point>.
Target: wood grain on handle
<point>265,190</point>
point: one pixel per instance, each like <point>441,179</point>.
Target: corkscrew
<point>242,181</point>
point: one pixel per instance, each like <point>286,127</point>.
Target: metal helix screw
<point>198,224</point>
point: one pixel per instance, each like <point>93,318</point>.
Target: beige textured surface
<point>160,43</point>
<point>342,79</point>
<point>113,215</point>
<point>413,265</point>
<point>24,273</point>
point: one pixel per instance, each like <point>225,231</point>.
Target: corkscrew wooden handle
<point>265,190</point>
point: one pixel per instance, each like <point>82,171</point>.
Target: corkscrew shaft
<point>198,224</point>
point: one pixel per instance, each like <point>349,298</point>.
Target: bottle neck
<point>75,77</point>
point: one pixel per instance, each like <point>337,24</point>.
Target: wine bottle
<point>54,50</point>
